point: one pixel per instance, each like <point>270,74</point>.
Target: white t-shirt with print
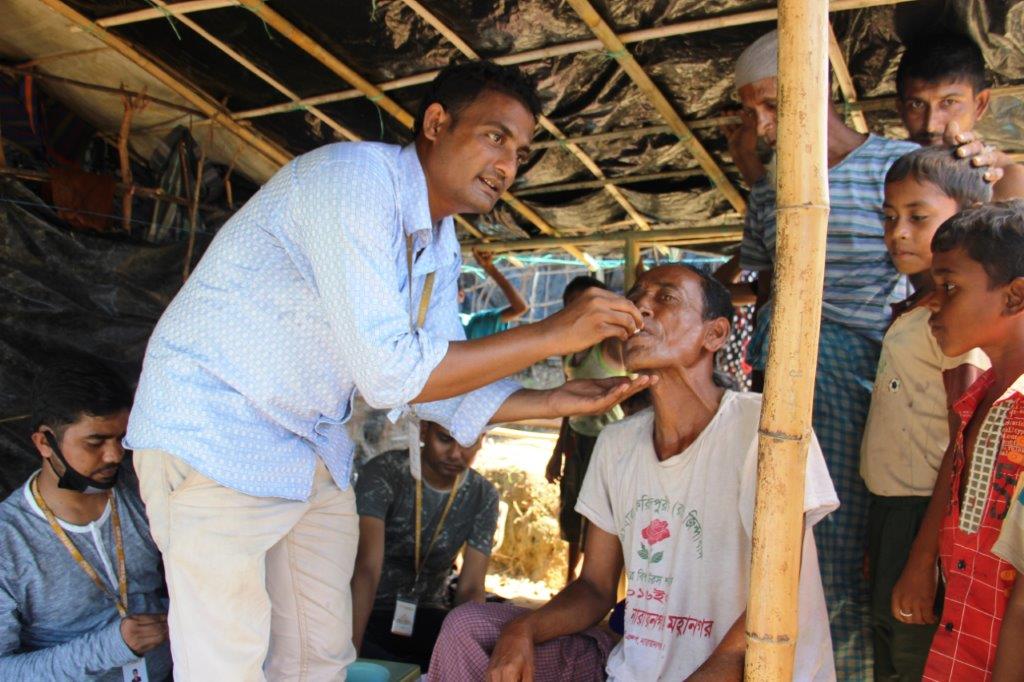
<point>685,527</point>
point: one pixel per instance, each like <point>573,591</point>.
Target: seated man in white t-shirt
<point>669,496</point>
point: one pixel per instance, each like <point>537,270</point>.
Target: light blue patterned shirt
<point>303,298</point>
<point>860,280</point>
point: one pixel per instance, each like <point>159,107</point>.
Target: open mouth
<point>491,185</point>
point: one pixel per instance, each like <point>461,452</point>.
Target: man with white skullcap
<point>860,282</point>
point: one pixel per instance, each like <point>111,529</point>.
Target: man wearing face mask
<point>81,591</point>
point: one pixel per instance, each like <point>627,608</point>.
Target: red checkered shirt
<point>978,583</point>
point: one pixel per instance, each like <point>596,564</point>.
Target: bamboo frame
<point>845,80</point>
<point>636,72</point>
<point>200,100</point>
<point>785,428</point>
<point>377,96</point>
<point>575,47</point>
<point>530,190</point>
<point>176,10</point>
<point>659,235</point>
<point>251,67</point>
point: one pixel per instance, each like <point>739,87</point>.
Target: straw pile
<point>532,548</point>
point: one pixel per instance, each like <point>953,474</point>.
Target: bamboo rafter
<point>574,47</point>
<point>177,10</point>
<point>667,235</point>
<point>617,49</point>
<point>544,121</point>
<point>250,66</point>
<point>377,96</point>
<point>845,81</point>
<point>189,93</point>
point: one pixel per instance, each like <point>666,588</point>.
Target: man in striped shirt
<point>860,282</point>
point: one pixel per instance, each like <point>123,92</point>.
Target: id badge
<point>135,671</point>
<point>405,616</point>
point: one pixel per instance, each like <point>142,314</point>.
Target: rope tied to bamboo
<point>167,15</point>
<point>617,55</point>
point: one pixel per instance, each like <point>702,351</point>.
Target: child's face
<point>913,212</point>
<point>967,310</point>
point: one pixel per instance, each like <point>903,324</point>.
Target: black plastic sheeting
<point>66,293</point>
<point>585,93</point>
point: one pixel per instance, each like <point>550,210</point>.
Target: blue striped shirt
<point>303,298</point>
<point>860,280</point>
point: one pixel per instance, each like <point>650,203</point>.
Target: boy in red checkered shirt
<point>978,266</point>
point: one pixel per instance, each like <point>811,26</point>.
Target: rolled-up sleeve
<point>344,222</point>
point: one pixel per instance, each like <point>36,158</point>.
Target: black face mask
<point>71,479</point>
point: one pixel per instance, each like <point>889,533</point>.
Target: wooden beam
<point>630,261</point>
<point>845,81</point>
<point>618,51</point>
<point>376,95</point>
<point>575,47</point>
<point>785,427</point>
<point>657,235</point>
<point>201,101</point>
<point>177,10</point>
<point>251,67</point>
<point>614,181</point>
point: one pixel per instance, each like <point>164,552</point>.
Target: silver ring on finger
<point>905,614</point>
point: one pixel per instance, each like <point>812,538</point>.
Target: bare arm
<point>584,602</point>
<point>471,577</point>
<point>1011,186</point>
<point>725,664</point>
<point>1010,654</point>
<point>594,316</point>
<point>914,592</point>
<point>366,575</point>
<point>517,306</point>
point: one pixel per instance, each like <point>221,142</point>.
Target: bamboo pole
<point>632,259</point>
<point>193,215</point>
<point>785,429</point>
<point>177,10</point>
<point>187,92</point>
<point>617,180</point>
<point>251,67</point>
<point>131,106</point>
<point>845,80</point>
<point>576,47</point>
<point>617,49</point>
<point>659,235</point>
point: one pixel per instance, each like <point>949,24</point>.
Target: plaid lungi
<point>470,632</point>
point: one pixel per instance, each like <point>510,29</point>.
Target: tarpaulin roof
<point>294,75</point>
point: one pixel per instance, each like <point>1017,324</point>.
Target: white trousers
<point>259,586</point>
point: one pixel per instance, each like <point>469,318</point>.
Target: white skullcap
<point>759,60</point>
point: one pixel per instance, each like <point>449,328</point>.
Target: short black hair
<point>717,299</point>
<point>935,58</point>
<point>67,389</point>
<point>953,176</point>
<point>458,85</point>
<point>991,234</point>
<point>580,284</point>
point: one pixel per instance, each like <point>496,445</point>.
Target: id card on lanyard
<point>135,671</point>
<point>413,433</point>
<point>406,604</point>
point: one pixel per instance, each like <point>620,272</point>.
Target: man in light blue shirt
<point>339,275</point>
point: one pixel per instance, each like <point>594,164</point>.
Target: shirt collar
<point>968,403</point>
<point>414,211</point>
<point>414,204</point>
<point>69,527</point>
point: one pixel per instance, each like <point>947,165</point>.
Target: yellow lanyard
<point>428,287</point>
<point>440,522</point>
<point>122,572</point>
